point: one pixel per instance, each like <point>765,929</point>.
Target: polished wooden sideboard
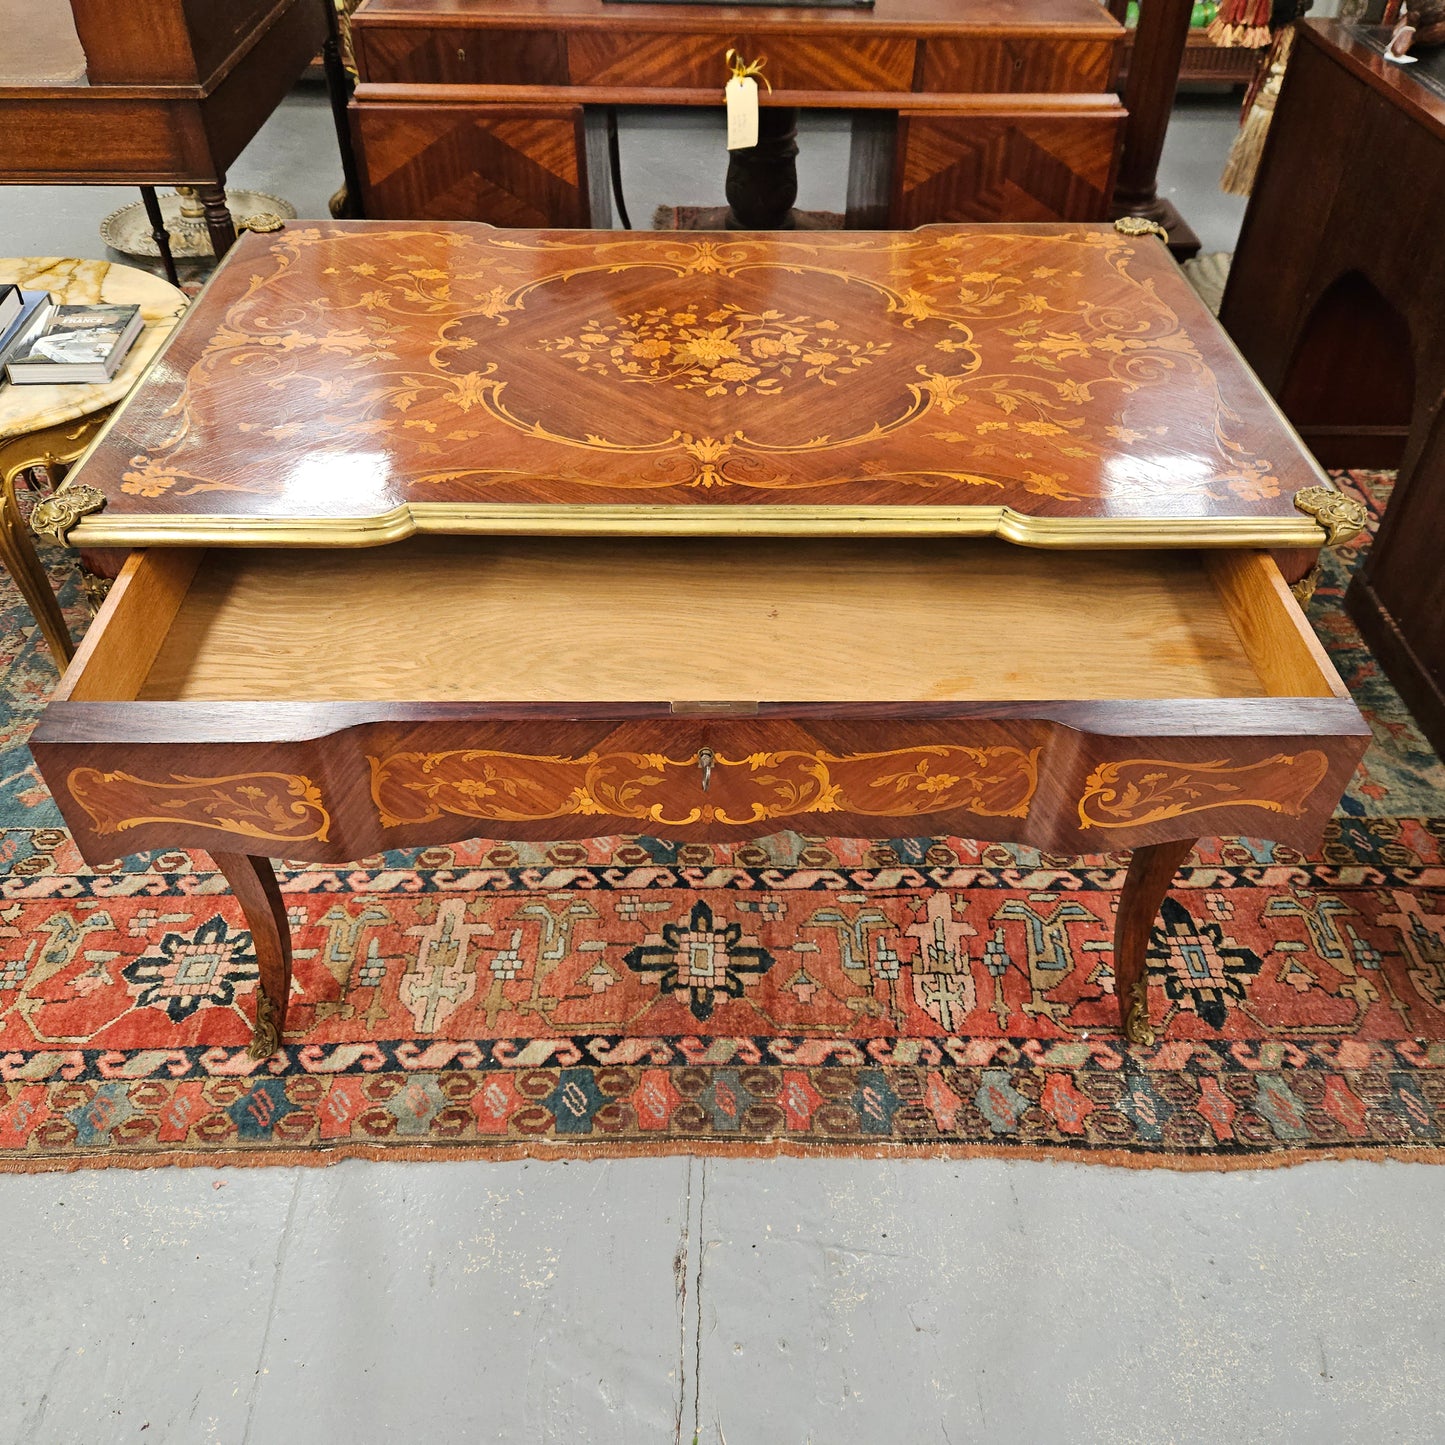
<point>493,110</point>
<point>1335,298</point>
<point>177,89</point>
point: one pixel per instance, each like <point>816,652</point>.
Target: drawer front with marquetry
<point>507,165</point>
<point>400,781</point>
<point>230,706</point>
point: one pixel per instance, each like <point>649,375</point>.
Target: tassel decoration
<point>1241,24</point>
<point>1244,155</point>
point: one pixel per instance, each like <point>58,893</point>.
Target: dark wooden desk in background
<point>1337,299</point>
<point>176,91</point>
<point>492,110</point>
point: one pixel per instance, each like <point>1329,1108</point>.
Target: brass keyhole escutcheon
<point>461,55</point>
<point>705,761</point>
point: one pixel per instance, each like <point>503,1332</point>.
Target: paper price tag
<point>742,99</point>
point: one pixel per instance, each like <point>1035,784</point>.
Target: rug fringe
<point>322,1157</point>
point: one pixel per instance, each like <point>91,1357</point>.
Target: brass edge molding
<point>604,520</point>
<point>1342,518</point>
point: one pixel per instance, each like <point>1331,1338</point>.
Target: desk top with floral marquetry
<point>355,382</point>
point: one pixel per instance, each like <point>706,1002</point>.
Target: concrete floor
<point>735,1302</point>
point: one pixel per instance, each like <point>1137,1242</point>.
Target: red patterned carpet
<point>804,995</point>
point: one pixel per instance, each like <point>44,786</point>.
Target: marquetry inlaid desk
<point>445,531</point>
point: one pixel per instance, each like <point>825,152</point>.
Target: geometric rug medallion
<point>924,996</point>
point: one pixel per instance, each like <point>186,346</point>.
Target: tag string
<point>742,70</point>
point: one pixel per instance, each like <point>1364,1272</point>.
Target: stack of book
<point>22,316</point>
<point>42,343</point>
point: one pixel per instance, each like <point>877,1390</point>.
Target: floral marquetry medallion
<point>730,349</point>
<point>358,382</point>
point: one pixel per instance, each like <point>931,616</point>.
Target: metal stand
<point>762,181</point>
<point>338,88</point>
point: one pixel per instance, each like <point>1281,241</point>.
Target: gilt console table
<point>494,110</point>
<point>446,531</point>
<point>50,426</point>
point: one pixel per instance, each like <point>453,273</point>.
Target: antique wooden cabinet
<point>451,531</point>
<point>1335,298</point>
<point>491,110</point>
<point>175,90</point>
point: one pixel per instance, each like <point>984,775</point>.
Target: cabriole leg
<point>17,549</point>
<point>253,881</point>
<point>1151,871</point>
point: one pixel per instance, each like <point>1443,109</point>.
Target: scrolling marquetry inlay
<point>271,807</point>
<point>333,375</point>
<point>419,787</point>
<point>1136,791</point>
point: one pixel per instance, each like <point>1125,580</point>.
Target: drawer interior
<point>632,619</point>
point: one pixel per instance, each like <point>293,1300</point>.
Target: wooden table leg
<point>159,234</point>
<point>219,222</point>
<point>17,549</point>
<point>762,182</point>
<point>1159,42</point>
<point>338,89</point>
<point>253,881</point>
<point>1151,871</point>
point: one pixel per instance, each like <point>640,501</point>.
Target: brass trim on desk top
<point>599,520</point>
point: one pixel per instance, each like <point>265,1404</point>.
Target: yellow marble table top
<point>25,409</point>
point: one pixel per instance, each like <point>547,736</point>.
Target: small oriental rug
<point>926,996</point>
<point>714,218</point>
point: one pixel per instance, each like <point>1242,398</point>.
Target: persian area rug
<point>927,996</point>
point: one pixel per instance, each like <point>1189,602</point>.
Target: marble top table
<point>52,425</point>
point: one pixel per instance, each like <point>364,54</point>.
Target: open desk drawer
<point>327,704</point>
